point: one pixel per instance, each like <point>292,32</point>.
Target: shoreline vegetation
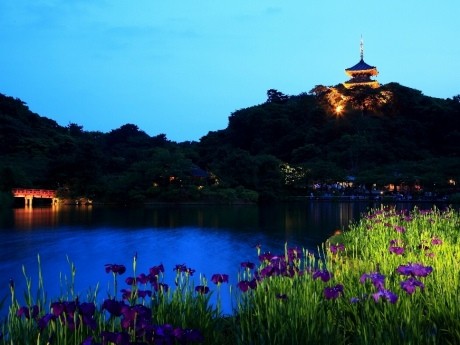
<point>391,278</point>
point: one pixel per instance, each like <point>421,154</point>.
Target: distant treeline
<point>361,138</point>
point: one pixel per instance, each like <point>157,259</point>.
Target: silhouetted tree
<point>275,96</point>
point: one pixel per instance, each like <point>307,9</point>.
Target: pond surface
<point>208,238</point>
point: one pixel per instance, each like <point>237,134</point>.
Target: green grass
<point>287,301</point>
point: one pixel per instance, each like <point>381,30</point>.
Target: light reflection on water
<point>209,239</point>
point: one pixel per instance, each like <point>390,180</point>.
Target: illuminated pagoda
<point>361,73</point>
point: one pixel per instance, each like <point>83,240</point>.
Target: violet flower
<point>333,292</point>
<point>116,269</point>
<point>324,275</point>
<point>400,229</point>
<point>335,248</point>
<point>219,278</point>
<point>248,265</point>
<point>119,338</point>
<point>294,253</point>
<point>245,285</point>
<point>184,269</point>
<point>385,294</point>
<point>409,285</point>
<point>396,250</point>
<point>201,289</point>
<point>377,279</point>
<point>414,269</point>
<point>156,270</point>
<point>44,321</point>
<point>143,278</point>
<point>113,307</point>
<point>160,287</point>
<point>144,293</point>
<point>436,241</point>
<point>28,313</point>
<point>267,257</point>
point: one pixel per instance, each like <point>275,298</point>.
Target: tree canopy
<point>390,135</point>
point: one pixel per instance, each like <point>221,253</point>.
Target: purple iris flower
<point>156,270</point>
<point>126,294</point>
<point>377,279</point>
<point>414,269</point>
<point>135,315</point>
<point>245,285</point>
<point>66,310</point>
<point>87,308</point>
<point>116,269</point>
<point>88,341</point>
<point>270,270</point>
<point>400,229</point>
<point>113,307</point>
<point>118,338</point>
<point>333,292</point>
<point>219,278</point>
<point>143,278</point>
<point>325,275</point>
<point>396,250</point>
<point>267,257</point>
<point>248,265</point>
<point>57,308</point>
<point>436,241</point>
<point>184,269</point>
<point>87,311</point>
<point>335,248</point>
<point>410,284</point>
<point>144,293</point>
<point>130,281</point>
<point>29,313</point>
<point>201,289</point>
<point>294,253</point>
<point>160,287</point>
<point>385,294</point>
<point>186,336</point>
<point>44,321</point>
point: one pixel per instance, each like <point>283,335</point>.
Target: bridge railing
<point>36,193</point>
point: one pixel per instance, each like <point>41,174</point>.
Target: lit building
<point>361,73</point>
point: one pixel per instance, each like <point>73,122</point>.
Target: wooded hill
<point>392,135</point>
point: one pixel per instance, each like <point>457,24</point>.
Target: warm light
<point>452,182</point>
<point>339,109</point>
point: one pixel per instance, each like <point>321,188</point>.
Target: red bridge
<point>30,194</point>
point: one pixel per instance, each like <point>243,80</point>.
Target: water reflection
<point>29,218</point>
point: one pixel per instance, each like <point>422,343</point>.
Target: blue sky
<point>182,67</point>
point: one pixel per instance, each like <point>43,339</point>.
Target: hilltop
<point>392,138</point>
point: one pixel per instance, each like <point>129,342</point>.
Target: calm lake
<point>208,238</point>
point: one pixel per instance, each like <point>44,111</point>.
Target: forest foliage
<point>283,147</point>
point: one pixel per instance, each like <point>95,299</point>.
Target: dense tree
<point>390,135</point>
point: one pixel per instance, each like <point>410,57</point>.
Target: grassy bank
<point>392,278</point>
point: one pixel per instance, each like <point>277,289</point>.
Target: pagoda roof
<point>360,66</point>
<point>352,83</point>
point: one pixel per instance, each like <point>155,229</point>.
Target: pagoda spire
<point>361,73</point>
